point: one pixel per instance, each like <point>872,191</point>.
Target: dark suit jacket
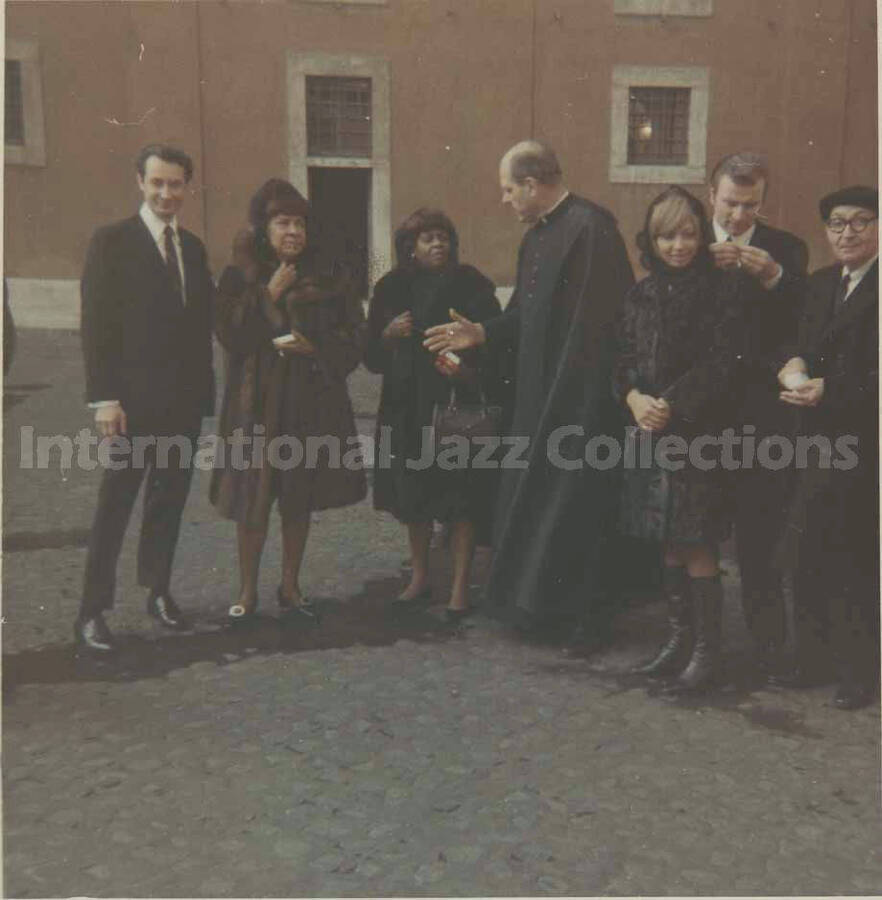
<point>771,319</point>
<point>140,344</point>
<point>843,348</point>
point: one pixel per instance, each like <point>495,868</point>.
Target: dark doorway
<point>339,200</point>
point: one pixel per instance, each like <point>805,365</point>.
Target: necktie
<point>171,262</point>
<point>841,292</point>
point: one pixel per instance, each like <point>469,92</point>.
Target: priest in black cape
<point>555,517</point>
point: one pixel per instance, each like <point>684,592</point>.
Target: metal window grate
<point>338,116</point>
<point>658,126</point>
<point>15,130</point>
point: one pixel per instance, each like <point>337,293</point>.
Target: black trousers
<point>836,613</point>
<point>836,593</point>
<point>168,479</point>
<point>760,505</point>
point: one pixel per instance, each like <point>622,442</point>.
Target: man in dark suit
<point>832,378</point>
<point>776,262</point>
<point>146,332</point>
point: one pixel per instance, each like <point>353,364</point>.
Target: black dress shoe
<point>799,677</point>
<point>164,609</point>
<point>852,695</point>
<point>94,634</point>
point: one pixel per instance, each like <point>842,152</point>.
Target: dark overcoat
<point>760,496</point>
<point>771,318</point>
<point>412,388</point>
<point>835,507</point>
<point>298,398</point>
<point>679,338</point>
<point>553,520</point>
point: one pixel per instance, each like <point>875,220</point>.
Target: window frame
<point>347,2</point>
<point>33,151</point>
<point>697,79</point>
<point>697,8</point>
<point>376,68</point>
<point>678,148</point>
<point>341,154</point>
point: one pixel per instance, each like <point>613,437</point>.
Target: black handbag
<point>464,420</point>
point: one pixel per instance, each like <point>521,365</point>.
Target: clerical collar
<point>742,240</point>
<point>543,219</point>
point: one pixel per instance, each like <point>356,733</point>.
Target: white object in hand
<point>793,380</point>
<point>284,340</point>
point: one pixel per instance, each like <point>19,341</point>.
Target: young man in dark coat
<point>832,377</point>
<point>775,262</point>
<point>555,510</point>
<point>146,333</point>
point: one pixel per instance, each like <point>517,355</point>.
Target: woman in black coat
<point>419,292</point>
<point>678,343</point>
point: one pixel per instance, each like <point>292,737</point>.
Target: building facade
<point>376,107</point>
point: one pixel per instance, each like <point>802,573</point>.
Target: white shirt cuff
<point>97,404</point>
<point>775,280</point>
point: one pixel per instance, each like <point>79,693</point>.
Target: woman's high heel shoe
<point>455,616</point>
<point>239,615</point>
<point>305,609</point>
<point>424,594</point>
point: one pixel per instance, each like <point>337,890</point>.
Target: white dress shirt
<point>743,240</point>
<point>156,227</point>
<point>855,276</point>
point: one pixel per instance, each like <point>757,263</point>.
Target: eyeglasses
<point>858,224</point>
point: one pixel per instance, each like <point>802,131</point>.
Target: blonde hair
<point>670,215</point>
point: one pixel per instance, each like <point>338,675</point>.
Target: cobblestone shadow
<point>366,619</point>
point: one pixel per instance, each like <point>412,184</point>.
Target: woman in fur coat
<point>678,345</point>
<point>292,333</point>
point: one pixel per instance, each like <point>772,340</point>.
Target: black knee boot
<point>674,655</point>
<point>707,606</point>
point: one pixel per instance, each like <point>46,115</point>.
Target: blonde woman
<point>678,344</point>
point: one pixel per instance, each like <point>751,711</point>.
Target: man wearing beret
<point>831,377</point>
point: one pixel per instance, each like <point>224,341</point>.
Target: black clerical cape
<point>553,517</point>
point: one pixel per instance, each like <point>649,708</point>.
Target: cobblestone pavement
<point>381,754</point>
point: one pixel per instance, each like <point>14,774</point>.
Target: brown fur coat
<point>282,402</point>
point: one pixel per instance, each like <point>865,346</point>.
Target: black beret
<point>857,195</point>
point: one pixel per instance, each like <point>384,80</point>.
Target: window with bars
<point>664,7</point>
<point>15,122</point>
<point>338,116</point>
<point>658,126</point>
